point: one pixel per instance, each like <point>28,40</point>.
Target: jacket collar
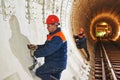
<point>57,30</point>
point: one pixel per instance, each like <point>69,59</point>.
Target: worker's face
<point>81,31</point>
<point>51,27</point>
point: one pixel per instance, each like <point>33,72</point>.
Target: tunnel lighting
<point>105,17</point>
<point>109,31</point>
<point>7,9</point>
<point>104,23</point>
<point>116,37</point>
<point>100,34</point>
<point>119,33</point>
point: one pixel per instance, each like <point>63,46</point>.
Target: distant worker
<point>54,50</point>
<point>81,42</point>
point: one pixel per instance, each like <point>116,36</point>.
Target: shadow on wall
<point>18,44</point>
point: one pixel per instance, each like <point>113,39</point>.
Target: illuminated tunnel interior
<point>89,13</point>
<point>21,25</point>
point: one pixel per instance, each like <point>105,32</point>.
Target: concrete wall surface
<point>21,23</point>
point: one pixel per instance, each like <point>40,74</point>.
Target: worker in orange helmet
<point>81,42</point>
<point>54,50</point>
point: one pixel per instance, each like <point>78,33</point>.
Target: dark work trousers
<point>88,56</point>
<point>81,43</point>
<point>47,73</point>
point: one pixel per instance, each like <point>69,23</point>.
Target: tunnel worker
<point>54,51</point>
<point>81,42</point>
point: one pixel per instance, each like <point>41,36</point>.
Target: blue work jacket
<point>81,42</point>
<point>54,50</point>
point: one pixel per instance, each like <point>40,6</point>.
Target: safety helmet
<point>52,19</point>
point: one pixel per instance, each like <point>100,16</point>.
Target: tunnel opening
<point>102,30</point>
<point>109,27</point>
<point>89,13</point>
<point>92,13</point>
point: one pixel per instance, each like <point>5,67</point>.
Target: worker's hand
<point>32,46</point>
<point>76,40</point>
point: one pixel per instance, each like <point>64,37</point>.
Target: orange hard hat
<point>52,19</point>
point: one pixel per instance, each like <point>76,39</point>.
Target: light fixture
<point>7,8</point>
<point>33,10</point>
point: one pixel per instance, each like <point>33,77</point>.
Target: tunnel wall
<point>86,13</point>
<point>80,17</point>
<point>21,25</point>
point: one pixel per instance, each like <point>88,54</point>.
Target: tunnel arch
<point>111,20</point>
<point>88,13</point>
<point>82,13</point>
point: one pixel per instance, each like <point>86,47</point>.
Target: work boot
<point>88,56</point>
<point>34,64</point>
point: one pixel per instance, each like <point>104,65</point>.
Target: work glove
<point>32,46</point>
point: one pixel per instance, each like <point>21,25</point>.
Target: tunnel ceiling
<point>87,13</point>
